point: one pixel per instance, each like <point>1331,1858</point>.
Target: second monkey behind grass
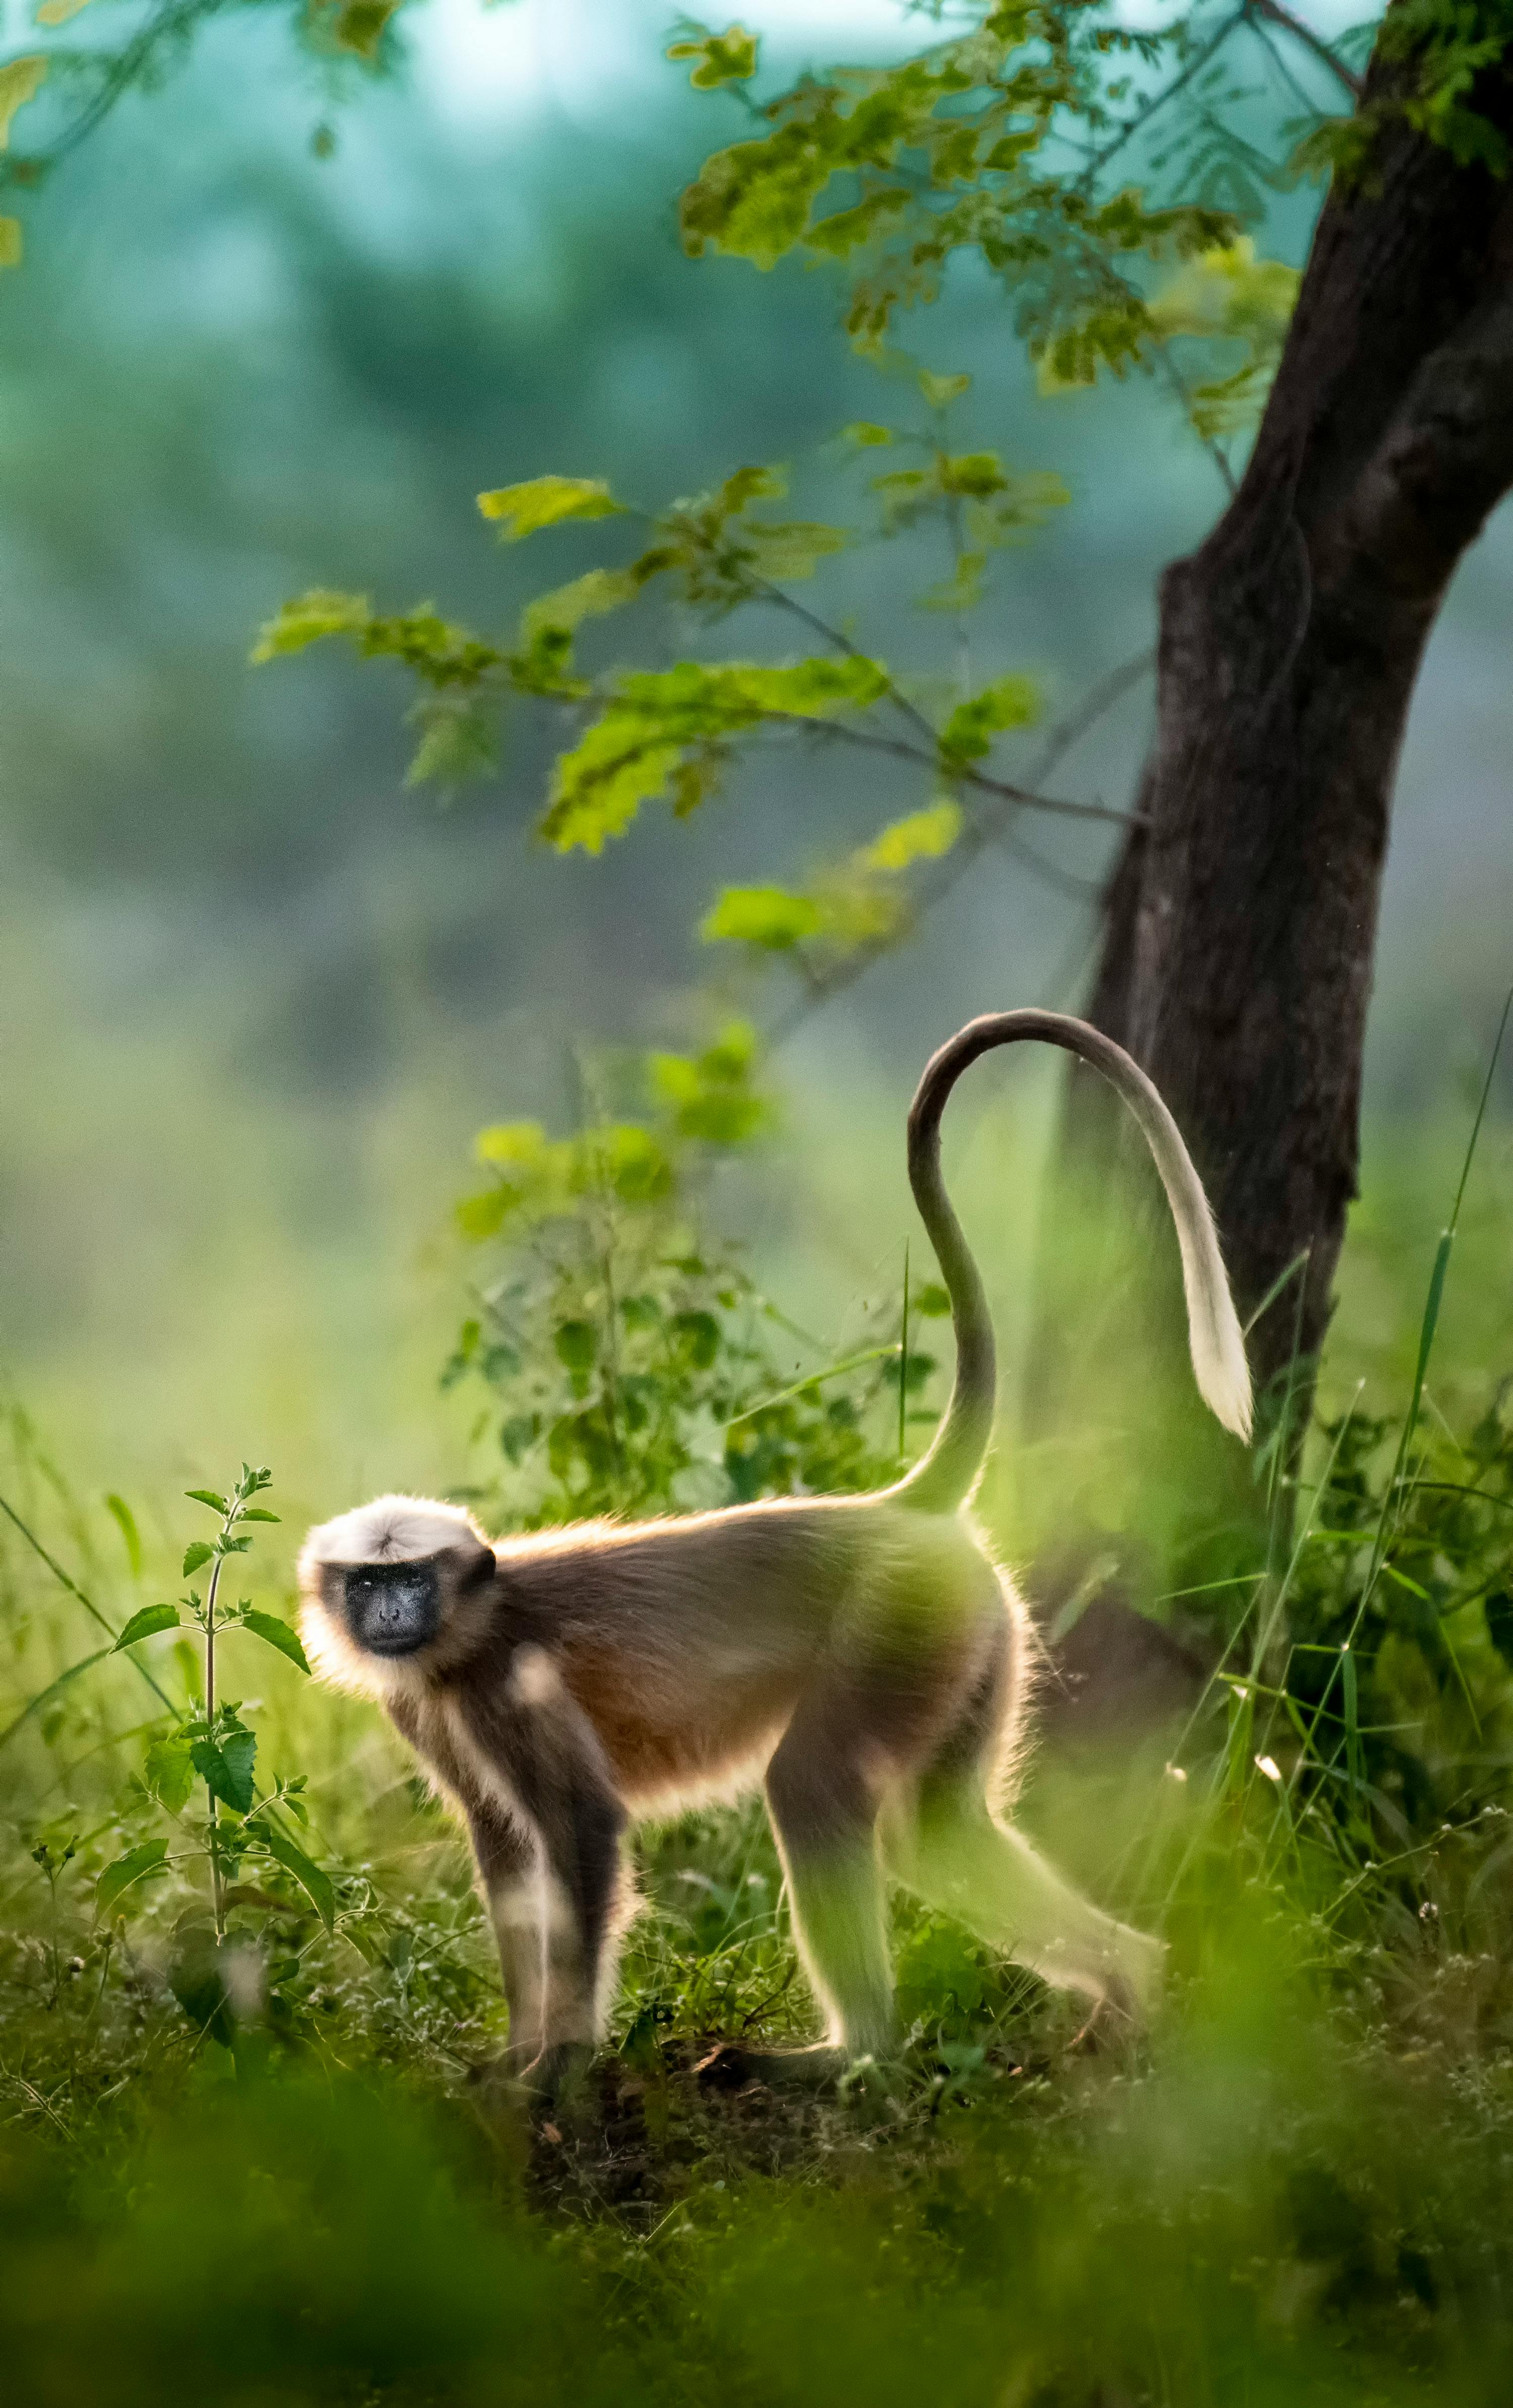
<point>863,1657</point>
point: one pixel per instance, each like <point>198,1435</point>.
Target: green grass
<point>288,2189</point>
<point>1297,2190</point>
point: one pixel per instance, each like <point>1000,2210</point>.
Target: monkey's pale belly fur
<point>862,1657</point>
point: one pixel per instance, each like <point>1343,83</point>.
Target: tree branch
<point>1444,461</point>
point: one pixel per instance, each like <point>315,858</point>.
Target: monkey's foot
<point>730,2065</point>
<point>544,2085</point>
<point>1116,2026</point>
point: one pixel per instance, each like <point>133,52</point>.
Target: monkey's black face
<point>394,1608</point>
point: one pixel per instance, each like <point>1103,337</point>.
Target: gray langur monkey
<point>862,1657</point>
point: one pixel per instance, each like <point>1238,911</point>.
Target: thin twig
<point>992,827</point>
<point>763,589</point>
<point>963,774</point>
<point>1276,15</point>
<point>1215,449</point>
<point>1071,729</point>
<point>1142,117</point>
<point>120,74</point>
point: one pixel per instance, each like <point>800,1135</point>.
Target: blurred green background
<point>256,995</point>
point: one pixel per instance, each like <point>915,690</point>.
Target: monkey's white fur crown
<point>390,1531</point>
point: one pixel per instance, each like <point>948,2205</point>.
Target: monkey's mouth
<point>394,1643</point>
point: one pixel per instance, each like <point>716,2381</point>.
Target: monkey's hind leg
<point>945,1843</point>
<point>823,1795</point>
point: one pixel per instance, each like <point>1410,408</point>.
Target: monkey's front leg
<point>511,1877</point>
<point>554,1907</point>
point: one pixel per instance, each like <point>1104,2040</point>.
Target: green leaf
<point>810,689</point>
<point>190,1669</point>
<point>577,1345</point>
<point>259,1513</point>
<point>589,596</point>
<point>277,1633</point>
<point>457,743</point>
<point>196,1977</point>
<point>768,916</point>
<point>711,1096</point>
<point>132,1867</point>
<point>1009,702</point>
<point>121,1514</point>
<point>975,475</point>
<point>941,390</point>
<point>12,242</point>
<point>315,1883</point>
<point>198,1553</point>
<point>962,590</point>
<point>753,200</point>
<point>628,1160</point>
<point>360,25</point>
<point>730,57</point>
<point>207,1496</point>
<point>144,1622</point>
<point>21,80</point>
<point>698,1335</point>
<point>865,434</point>
<point>659,720</point>
<point>546,501</point>
<point>924,835</point>
<point>599,786</point>
<point>845,230</point>
<point>792,549</point>
<point>225,1767</point>
<point>308,619</point>
<point>512,1144</point>
<point>169,1771</point>
<point>483,1216</point>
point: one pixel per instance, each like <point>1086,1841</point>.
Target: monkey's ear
<point>471,1561</point>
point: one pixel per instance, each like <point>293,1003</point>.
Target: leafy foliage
<point>851,906</point>
<point>977,144</point>
<point>998,140</point>
<point>1396,1671</point>
<point>1230,296</point>
<point>632,1367</point>
<point>676,734</point>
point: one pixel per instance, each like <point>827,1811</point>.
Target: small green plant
<point>212,1972</point>
<point>633,1366</point>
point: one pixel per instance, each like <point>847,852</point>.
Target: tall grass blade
<point>88,1603</point>
<point>1393,1500</point>
<point>35,1705</point>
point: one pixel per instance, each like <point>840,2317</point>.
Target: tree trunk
<point>1241,917</point>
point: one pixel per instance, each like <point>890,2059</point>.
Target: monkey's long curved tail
<point>944,1477</point>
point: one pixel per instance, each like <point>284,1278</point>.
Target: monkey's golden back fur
<point>687,1642</point>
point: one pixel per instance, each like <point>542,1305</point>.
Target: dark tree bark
<point>1240,920</point>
